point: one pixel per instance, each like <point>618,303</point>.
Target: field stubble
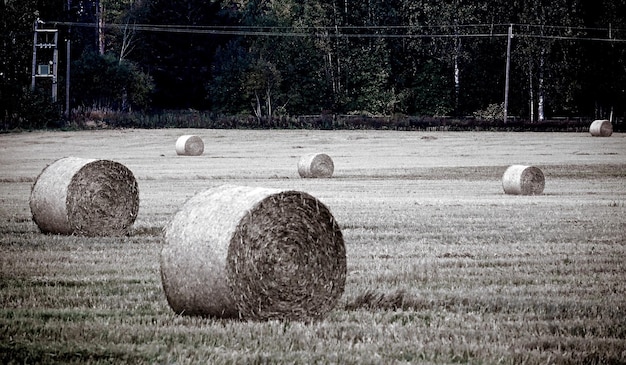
<point>442,265</point>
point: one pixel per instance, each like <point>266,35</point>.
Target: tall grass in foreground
<point>507,280</point>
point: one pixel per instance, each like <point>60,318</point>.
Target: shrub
<point>491,112</point>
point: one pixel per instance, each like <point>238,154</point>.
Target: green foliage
<point>224,89</point>
<point>367,80</point>
<point>33,110</point>
<point>432,90</point>
<point>419,58</point>
<point>261,83</point>
<point>21,108</point>
<point>121,39</point>
<point>179,63</point>
<point>108,83</point>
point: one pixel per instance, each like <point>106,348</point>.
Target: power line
<point>352,31</point>
<point>345,27</point>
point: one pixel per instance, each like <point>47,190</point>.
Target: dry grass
<point>442,266</point>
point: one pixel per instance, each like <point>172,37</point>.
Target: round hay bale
<point>86,197</point>
<point>601,128</point>
<point>523,180</point>
<point>316,165</point>
<point>189,145</point>
<point>253,253</point>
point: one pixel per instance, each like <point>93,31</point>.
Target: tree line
<point>276,58</point>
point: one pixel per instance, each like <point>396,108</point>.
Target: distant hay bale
<point>189,145</point>
<point>86,197</point>
<point>601,128</point>
<point>523,180</point>
<point>253,253</point>
<point>318,165</point>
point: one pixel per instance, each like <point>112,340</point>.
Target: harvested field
<point>442,265</point>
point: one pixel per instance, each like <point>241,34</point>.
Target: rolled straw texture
<point>189,145</point>
<point>253,253</point>
<point>316,165</point>
<point>85,197</point>
<point>523,180</point>
<point>601,128</point>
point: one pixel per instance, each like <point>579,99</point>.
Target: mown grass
<point>442,268</point>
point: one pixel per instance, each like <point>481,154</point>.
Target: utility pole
<point>34,64</point>
<point>68,110</point>
<point>506,77</point>
<point>68,113</point>
<point>45,40</point>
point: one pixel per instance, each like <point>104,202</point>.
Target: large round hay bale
<point>316,165</point>
<point>523,180</point>
<point>253,253</point>
<point>601,128</point>
<point>189,145</point>
<point>85,197</point>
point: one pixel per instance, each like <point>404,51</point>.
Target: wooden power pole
<point>506,77</point>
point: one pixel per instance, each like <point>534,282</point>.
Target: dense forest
<point>267,59</point>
